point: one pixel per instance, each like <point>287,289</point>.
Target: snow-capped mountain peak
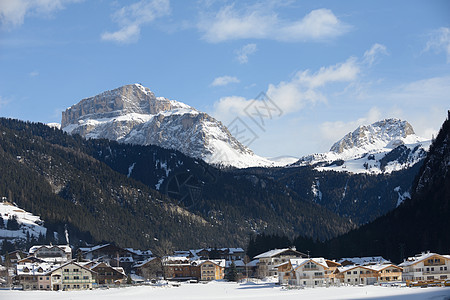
<point>133,114</point>
<point>384,146</point>
<point>388,133</point>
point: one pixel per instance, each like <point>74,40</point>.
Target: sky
<point>297,75</point>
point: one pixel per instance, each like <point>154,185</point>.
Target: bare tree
<point>162,250</point>
<point>246,262</point>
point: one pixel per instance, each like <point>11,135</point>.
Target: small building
<point>180,268</point>
<point>72,276</point>
<point>355,275</point>
<point>268,260</point>
<point>105,274</point>
<point>387,272</point>
<point>112,255</point>
<point>426,267</point>
<point>34,276</point>
<point>148,269</point>
<point>213,269</point>
<point>15,256</point>
<point>30,259</point>
<point>52,254</point>
<point>307,272</point>
<point>362,261</point>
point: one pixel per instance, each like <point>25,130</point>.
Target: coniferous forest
<point>139,196</point>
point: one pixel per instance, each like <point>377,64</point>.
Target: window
<point>41,287</point>
<point>445,268</point>
<point>348,280</point>
<point>66,270</point>
<point>76,270</point>
<point>85,277</point>
<point>66,277</point>
<point>355,272</point>
<point>432,269</point>
<point>348,273</point>
<point>76,277</point>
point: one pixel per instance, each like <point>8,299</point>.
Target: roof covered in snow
<point>275,252</point>
<point>364,260</point>
<point>420,257</point>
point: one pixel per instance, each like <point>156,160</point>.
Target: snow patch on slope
<point>383,147</point>
<point>27,223</point>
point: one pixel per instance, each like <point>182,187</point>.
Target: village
<point>57,267</point>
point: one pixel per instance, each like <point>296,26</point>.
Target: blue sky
<point>326,66</point>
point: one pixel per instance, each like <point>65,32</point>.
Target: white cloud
<point>13,12</point>
<point>130,19</point>
<point>224,80</point>
<point>127,34</point>
<point>244,52</point>
<point>229,107</point>
<point>371,54</point>
<point>440,41</point>
<point>33,74</point>
<point>292,96</point>
<point>3,101</point>
<point>259,23</point>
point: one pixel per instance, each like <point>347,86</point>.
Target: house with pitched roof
<point>308,272</point>
<point>212,269</point>
<point>52,253</point>
<point>105,274</point>
<point>34,276</point>
<point>270,259</point>
<point>426,267</point>
<point>72,276</point>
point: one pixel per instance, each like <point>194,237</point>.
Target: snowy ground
<point>224,290</point>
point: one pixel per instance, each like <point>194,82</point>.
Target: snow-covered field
<point>226,290</point>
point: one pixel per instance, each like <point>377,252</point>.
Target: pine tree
<point>12,223</point>
<point>232,274</point>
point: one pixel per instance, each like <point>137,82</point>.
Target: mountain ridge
<point>132,114</point>
<point>382,147</point>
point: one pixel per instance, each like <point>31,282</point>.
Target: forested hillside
<point>419,224</point>
<point>66,180</point>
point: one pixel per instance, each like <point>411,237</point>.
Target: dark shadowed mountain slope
<point>83,183</point>
<point>419,224</point>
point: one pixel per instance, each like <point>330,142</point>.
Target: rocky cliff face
<point>380,134</point>
<point>121,101</point>
<point>132,114</point>
<point>382,147</point>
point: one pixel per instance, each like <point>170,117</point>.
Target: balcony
<point>436,272</point>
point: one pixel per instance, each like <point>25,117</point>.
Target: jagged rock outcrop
<point>132,114</point>
<point>382,147</point>
<point>378,134</point>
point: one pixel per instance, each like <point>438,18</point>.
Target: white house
<point>268,261</point>
<point>426,267</point>
<point>310,272</point>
